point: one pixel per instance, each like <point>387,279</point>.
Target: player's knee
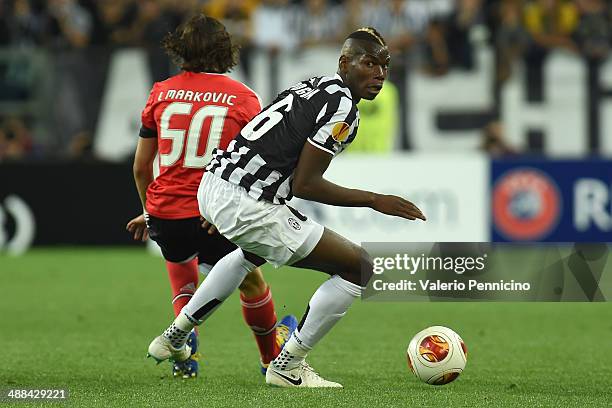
<point>366,267</point>
<point>360,269</point>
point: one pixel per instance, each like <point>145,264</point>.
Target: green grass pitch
<point>82,320</point>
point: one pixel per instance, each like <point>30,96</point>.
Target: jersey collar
<point>339,78</point>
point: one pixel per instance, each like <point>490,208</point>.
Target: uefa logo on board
<point>526,204</point>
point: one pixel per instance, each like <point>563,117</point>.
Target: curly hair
<point>201,44</point>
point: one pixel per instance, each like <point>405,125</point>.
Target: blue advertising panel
<point>551,201</point>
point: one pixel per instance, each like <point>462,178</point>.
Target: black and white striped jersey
<point>263,157</point>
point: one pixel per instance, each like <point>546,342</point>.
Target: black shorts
<point>181,239</point>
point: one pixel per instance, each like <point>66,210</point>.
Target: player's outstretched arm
<point>309,184</point>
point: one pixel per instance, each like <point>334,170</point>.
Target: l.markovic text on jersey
<point>193,96</point>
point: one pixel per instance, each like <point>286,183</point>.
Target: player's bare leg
<point>253,284</point>
<point>343,260</point>
<point>336,255</point>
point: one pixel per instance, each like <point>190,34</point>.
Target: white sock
<point>223,279</point>
<point>179,330</point>
<point>328,304</point>
<point>291,355</point>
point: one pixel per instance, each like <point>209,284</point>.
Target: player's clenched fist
<point>394,205</point>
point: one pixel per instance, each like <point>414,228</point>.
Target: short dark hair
<point>368,34</point>
<point>201,44</point>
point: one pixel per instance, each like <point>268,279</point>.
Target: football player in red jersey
<point>185,118</point>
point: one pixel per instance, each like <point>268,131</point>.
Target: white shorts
<point>272,231</point>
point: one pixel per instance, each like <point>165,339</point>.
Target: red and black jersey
<point>191,114</point>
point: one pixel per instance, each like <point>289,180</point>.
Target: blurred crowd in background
<point>433,36</point>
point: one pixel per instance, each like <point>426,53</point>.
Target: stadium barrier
<point>450,189</point>
<point>466,198</point>
<point>65,203</point>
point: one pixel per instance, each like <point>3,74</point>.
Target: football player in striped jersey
<point>285,151</point>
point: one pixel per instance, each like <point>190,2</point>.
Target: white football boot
<point>161,349</point>
<point>300,376</point>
